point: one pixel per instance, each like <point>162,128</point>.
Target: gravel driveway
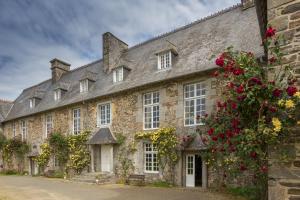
<point>38,188</point>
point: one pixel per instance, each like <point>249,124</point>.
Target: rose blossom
<point>270,32</point>
<point>277,92</point>
<point>240,89</point>
<point>220,61</point>
<point>291,90</point>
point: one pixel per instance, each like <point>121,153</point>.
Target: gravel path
<point>39,188</point>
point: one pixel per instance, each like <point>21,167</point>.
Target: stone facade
<point>127,119</point>
<point>284,15</point>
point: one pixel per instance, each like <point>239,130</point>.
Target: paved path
<point>39,188</point>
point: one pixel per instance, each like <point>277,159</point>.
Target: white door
<point>106,158</point>
<point>190,170</point>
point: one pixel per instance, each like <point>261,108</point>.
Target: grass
<point>250,193</point>
<point>161,184</point>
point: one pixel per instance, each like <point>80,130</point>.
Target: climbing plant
<point>59,147</point>
<point>16,149</point>
<point>258,106</point>
<point>79,156</point>
<point>125,163</point>
<point>166,142</point>
<point>44,157</point>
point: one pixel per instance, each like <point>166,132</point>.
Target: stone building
<point>163,82</point>
<point>5,106</point>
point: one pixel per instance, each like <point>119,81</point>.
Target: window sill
<point>202,124</point>
<point>163,70</point>
<point>150,129</point>
<point>151,172</point>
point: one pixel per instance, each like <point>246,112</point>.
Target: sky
<point>33,32</point>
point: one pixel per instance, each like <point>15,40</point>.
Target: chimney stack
<point>58,68</point>
<point>113,48</point>
<point>247,4</point>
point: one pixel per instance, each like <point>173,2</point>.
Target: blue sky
<point>33,32</point>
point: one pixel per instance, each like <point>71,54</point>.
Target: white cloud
<point>34,32</point>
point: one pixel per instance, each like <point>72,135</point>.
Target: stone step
<point>295,191</point>
<point>294,197</point>
<point>293,184</point>
<point>103,178</point>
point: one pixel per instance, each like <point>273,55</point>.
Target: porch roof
<point>196,144</point>
<point>102,136</point>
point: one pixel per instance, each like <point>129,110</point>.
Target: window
<point>49,125</point>
<point>32,102</point>
<point>151,110</point>
<point>151,161</point>
<point>23,130</point>
<point>104,114</point>
<point>164,60</point>
<point>84,85</point>
<point>190,165</point>
<point>14,129</point>
<point>76,121</point>
<point>194,104</point>
<point>57,94</point>
<point>56,161</point>
<point>118,75</point>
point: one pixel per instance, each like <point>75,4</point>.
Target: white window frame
<point>32,102</point>
<point>164,60</point>
<point>14,130</point>
<point>76,121</point>
<point>84,85</point>
<point>152,105</point>
<point>57,94</point>
<point>195,98</point>
<point>107,119</point>
<point>150,151</point>
<point>118,75</point>
<point>23,125</point>
<point>48,125</point>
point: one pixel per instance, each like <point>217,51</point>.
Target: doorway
<point>194,168</point>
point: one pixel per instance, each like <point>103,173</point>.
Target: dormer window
<point>32,102</point>
<point>84,86</point>
<point>57,94</point>
<point>164,60</point>
<point>118,74</point>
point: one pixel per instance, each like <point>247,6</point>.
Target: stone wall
<point>127,118</point>
<point>284,15</point>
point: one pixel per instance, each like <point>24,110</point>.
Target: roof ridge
<point>86,65</point>
<point>218,13</point>
<point>6,101</point>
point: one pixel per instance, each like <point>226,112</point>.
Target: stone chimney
<point>58,68</point>
<point>247,4</point>
<point>113,48</point>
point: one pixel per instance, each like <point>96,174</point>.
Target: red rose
<point>233,105</point>
<point>272,60</point>
<point>253,154</point>
<point>214,138</point>
<point>216,73</point>
<point>232,149</point>
<point>291,90</point>
<point>229,133</point>
<point>270,32</point>
<point>243,167</point>
<point>210,131</point>
<point>220,61</point>
<point>277,92</point>
<point>240,89</point>
<point>256,80</point>
<point>238,71</point>
<point>235,123</point>
<point>222,136</point>
<point>230,85</point>
<point>264,169</point>
<point>241,98</point>
<point>272,109</point>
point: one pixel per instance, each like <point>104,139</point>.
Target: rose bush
<point>258,106</point>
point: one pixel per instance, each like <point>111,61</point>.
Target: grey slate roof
<point>195,44</point>
<point>102,136</point>
<point>5,106</point>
